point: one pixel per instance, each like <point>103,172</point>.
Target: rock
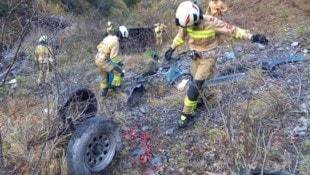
<point>305,51</point>
<point>169,131</point>
<point>127,165</point>
<point>143,110</point>
<point>304,122</point>
<point>304,108</point>
<point>13,83</point>
<point>261,47</point>
<point>146,128</point>
<point>181,86</point>
<point>294,44</point>
<point>229,55</point>
<point>158,161</point>
<point>138,152</point>
<point>152,172</point>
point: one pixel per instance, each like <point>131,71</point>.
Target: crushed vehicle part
<point>135,95</point>
<point>76,102</point>
<point>74,105</point>
<point>272,63</point>
<point>174,73</point>
<point>140,38</point>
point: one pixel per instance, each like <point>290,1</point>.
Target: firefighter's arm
<point>177,41</point>
<point>179,38</point>
<point>114,53</point>
<point>223,28</point>
<point>238,33</point>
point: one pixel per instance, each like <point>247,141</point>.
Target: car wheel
<point>92,146</point>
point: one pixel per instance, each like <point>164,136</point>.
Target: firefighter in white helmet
<point>216,8</point>
<point>44,57</point>
<point>202,33</point>
<point>108,61</point>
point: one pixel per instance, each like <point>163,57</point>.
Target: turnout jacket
<point>216,8</point>
<point>204,35</point>
<point>109,48</point>
<point>43,54</point>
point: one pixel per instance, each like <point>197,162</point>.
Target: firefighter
<point>158,31</point>
<point>44,58</point>
<point>108,61</point>
<point>110,28</point>
<point>216,8</point>
<point>202,33</point>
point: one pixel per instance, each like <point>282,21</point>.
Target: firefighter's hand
<point>168,54</point>
<point>259,38</point>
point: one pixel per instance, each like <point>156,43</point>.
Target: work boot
<point>105,92</point>
<point>185,120</point>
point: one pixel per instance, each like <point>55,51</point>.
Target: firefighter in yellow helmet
<point>110,28</point>
<point>202,33</point>
<point>44,57</point>
<point>108,61</point>
<point>158,31</point>
<point>216,8</point>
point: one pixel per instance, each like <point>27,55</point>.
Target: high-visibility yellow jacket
<point>109,47</point>
<point>216,8</point>
<point>43,54</point>
<point>159,29</point>
<point>204,35</point>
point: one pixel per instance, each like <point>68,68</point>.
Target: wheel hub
<point>98,150</point>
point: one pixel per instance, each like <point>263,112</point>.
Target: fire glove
<point>168,54</point>
<point>259,38</point>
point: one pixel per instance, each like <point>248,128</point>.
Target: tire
<point>93,146</point>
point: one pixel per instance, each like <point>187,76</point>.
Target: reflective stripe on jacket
<point>204,35</point>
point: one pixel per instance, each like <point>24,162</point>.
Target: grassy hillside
<point>28,112</point>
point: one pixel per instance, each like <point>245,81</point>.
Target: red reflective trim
<point>187,20</point>
<point>229,26</point>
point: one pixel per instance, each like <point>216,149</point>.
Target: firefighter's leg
<point>206,71</point>
<point>118,77</point>
<point>157,40</point>
<point>103,68</point>
<point>40,74</point>
<point>190,102</point>
<point>201,70</point>
<point>47,73</point>
<point>161,40</point>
